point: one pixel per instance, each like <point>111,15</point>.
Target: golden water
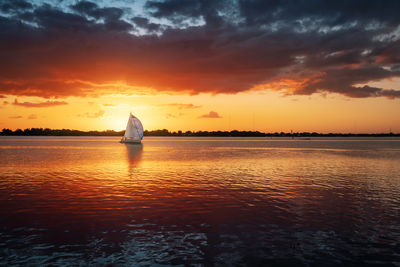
<point>199,201</point>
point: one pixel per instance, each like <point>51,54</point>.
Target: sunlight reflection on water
<point>255,201</point>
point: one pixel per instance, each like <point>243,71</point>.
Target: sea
<point>199,201</point>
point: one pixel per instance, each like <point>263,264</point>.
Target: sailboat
<point>134,131</point>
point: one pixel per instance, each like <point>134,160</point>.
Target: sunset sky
<point>271,66</point>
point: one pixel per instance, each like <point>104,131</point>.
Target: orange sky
<point>267,111</point>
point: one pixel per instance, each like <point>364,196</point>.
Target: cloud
<point>92,115</point>
<point>145,24</point>
<point>110,15</point>
<point>223,46</point>
<point>39,104</point>
<point>183,106</point>
<point>15,117</point>
<point>211,115</point>
<point>170,115</point>
<point>14,5</point>
<point>32,117</point>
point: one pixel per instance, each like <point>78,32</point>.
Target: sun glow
<point>257,110</point>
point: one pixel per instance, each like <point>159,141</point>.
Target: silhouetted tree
<point>165,132</point>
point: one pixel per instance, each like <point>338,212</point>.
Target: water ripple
<point>199,201</point>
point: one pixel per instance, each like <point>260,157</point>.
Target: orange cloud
<point>170,115</point>
<point>15,117</point>
<point>93,115</point>
<point>291,85</point>
<point>183,106</point>
<point>211,115</point>
<point>32,117</point>
<point>39,104</point>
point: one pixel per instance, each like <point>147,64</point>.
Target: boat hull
<point>130,141</point>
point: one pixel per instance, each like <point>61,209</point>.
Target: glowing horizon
<point>265,112</point>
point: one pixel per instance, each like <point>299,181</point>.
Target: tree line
<point>165,132</point>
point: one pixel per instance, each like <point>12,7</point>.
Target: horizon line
<point>166,132</point>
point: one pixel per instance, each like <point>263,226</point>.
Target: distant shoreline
<point>164,132</point>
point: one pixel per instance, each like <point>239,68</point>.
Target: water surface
<point>199,201</point>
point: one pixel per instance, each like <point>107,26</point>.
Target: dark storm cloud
<point>14,5</point>
<point>179,10</point>
<point>201,46</point>
<point>190,8</point>
<point>93,10</point>
<point>341,80</point>
<point>111,15</point>
<point>144,23</point>
<point>50,18</point>
<point>329,12</point>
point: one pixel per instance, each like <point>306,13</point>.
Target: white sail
<point>134,131</point>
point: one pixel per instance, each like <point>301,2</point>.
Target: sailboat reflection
<point>134,154</point>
